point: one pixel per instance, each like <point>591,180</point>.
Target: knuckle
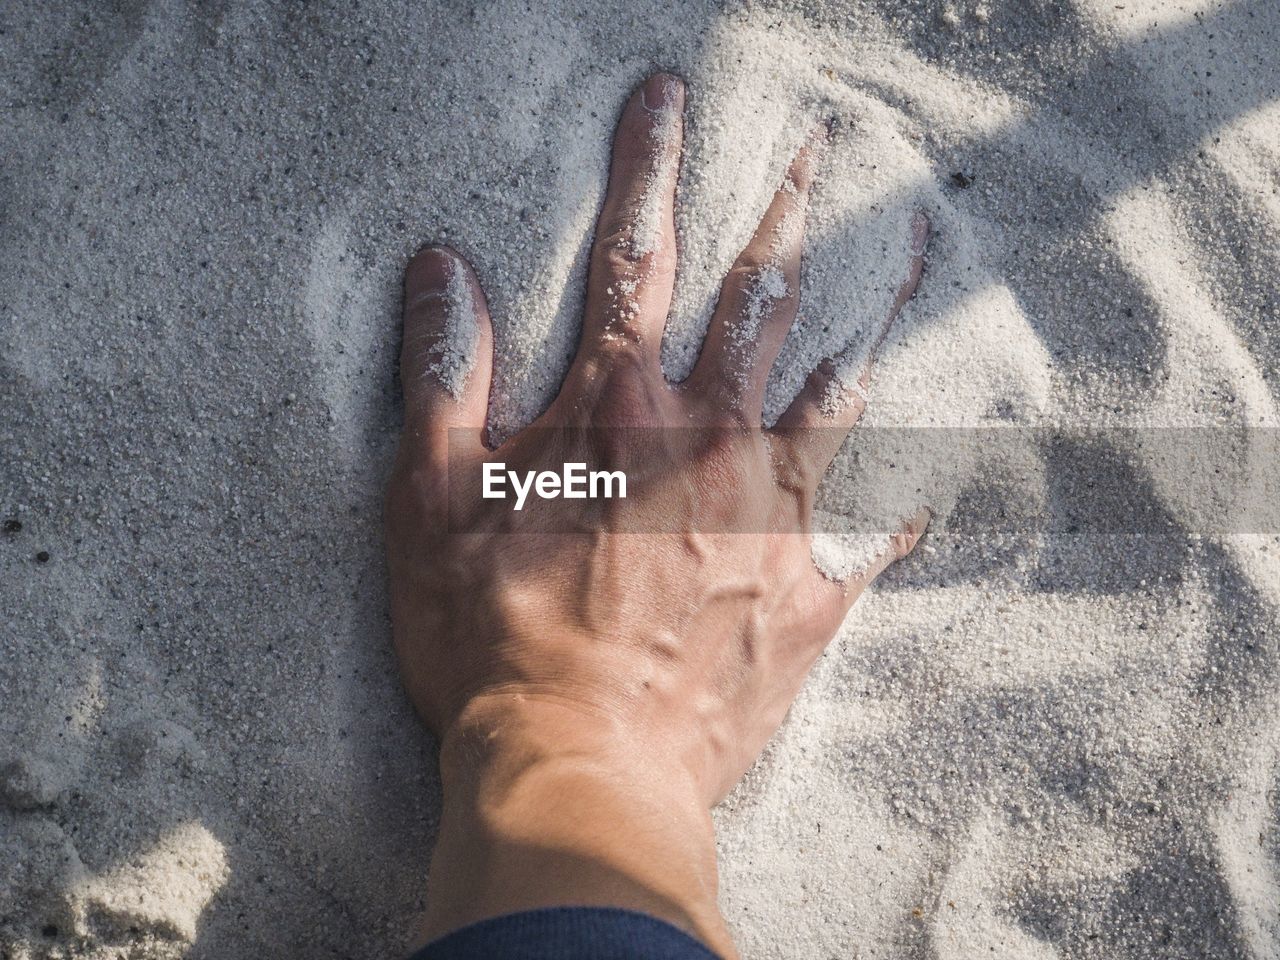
<point>833,398</point>
<point>614,254</point>
<point>813,401</point>
<point>612,250</point>
<point>904,541</point>
<point>748,271</point>
<point>817,383</point>
<point>822,375</point>
<point>618,352</point>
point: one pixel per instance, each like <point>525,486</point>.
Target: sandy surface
<point>1029,742</point>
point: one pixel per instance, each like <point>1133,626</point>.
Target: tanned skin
<point>596,691</point>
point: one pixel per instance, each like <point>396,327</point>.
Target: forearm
<point>542,809</point>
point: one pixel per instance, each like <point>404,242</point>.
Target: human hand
<point>601,672</point>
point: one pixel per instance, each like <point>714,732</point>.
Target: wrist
<point>549,804</point>
<point>500,738</point>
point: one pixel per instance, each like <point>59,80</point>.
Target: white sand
<point>1026,743</point>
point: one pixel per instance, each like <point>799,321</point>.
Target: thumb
<point>446,359</point>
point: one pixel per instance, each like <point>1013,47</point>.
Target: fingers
<point>836,393</point>
<point>760,296</point>
<point>446,357</point>
<point>633,259</point>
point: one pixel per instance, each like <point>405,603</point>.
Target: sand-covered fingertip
<point>442,322</point>
<point>852,559</point>
<point>662,98</point>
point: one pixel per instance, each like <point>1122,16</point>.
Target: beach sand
<point>1029,740</point>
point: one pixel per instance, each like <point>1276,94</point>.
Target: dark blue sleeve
<point>567,933</point>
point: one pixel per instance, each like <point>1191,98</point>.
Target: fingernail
<point>662,91</point>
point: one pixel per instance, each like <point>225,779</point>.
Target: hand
<point>597,690</point>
